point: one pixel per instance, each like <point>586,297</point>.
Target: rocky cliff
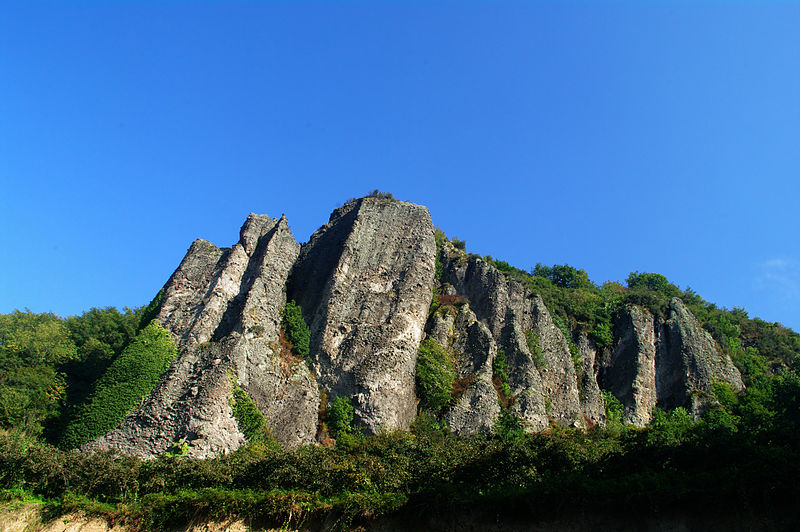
<point>365,282</point>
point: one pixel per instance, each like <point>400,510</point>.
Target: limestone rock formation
<point>663,363</point>
<point>544,384</point>
<point>222,308</point>
<point>688,362</point>
<point>630,374</point>
<point>590,393</point>
<point>476,407</point>
<point>364,281</point>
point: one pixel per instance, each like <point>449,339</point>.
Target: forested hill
<point>381,371</point>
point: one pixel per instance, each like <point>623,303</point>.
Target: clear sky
<point>614,137</point>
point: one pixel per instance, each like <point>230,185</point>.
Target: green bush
<point>563,275</point>
<point>380,195</point>
<point>151,310</point>
<point>435,375</point>
<point>614,410</point>
<point>440,238</point>
<point>340,416</point>
<point>669,428</point>
<point>653,281</point>
<point>32,349</point>
<point>296,329</point>
<point>128,380</point>
<point>507,426</point>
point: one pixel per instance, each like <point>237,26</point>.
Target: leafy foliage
<point>507,426</point>
<point>614,411</point>
<point>563,275</point>
<point>249,418</point>
<point>32,348</point>
<point>296,329</point>
<point>151,310</point>
<point>439,237</point>
<point>131,376</point>
<point>675,462</point>
<point>340,416</point>
<point>380,195</point>
<point>435,375</point>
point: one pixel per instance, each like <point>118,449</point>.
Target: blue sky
<point>614,137</point>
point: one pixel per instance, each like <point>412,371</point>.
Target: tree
<point>32,347</point>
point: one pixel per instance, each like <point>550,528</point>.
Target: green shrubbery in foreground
<point>744,455</point>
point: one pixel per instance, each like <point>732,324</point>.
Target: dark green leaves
<point>128,380</point>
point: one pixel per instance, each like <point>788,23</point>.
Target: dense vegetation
<point>436,375</point>
<point>249,418</point>
<point>49,366</point>
<point>60,374</point>
<point>128,380</point>
<point>744,456</point>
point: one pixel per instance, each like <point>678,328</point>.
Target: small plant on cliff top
<point>440,238</point>
<point>296,328</point>
<point>380,195</point>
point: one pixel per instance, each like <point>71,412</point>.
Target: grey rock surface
<point>688,363</point>
<point>630,372</point>
<point>663,363</point>
<point>223,311</point>
<point>545,386</point>
<point>590,394</point>
<point>364,281</point>
<point>476,407</point>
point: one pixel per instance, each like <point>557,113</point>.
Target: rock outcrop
<point>630,373</point>
<point>222,308</point>
<point>688,363</point>
<point>365,282</point>
<point>475,407</point>
<point>663,363</point>
<point>543,383</point>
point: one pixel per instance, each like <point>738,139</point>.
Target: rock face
<point>688,362</point>
<point>665,364</point>
<point>630,373</point>
<point>222,308</point>
<point>365,281</point>
<point>543,382</point>
<point>476,405</point>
